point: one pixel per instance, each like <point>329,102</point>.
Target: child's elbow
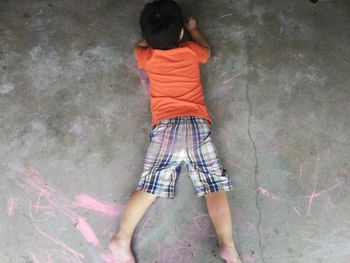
<point>209,52</point>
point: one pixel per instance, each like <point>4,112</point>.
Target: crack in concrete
<point>256,171</point>
<point>249,45</point>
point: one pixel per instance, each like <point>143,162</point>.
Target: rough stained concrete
<point>75,124</point>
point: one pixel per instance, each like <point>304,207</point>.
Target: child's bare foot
<point>121,251</point>
<point>229,253</point>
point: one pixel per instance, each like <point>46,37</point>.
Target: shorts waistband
<point>181,119</point>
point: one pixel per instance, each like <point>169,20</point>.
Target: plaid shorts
<point>174,141</point>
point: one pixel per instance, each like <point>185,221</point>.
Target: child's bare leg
<point>220,214</point>
<point>135,208</point>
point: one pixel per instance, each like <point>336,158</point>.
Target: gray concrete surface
<point>75,121</point>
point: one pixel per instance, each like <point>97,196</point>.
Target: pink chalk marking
<point>227,81</point>
<point>49,213</point>
<point>310,201</point>
<point>34,258</point>
<point>300,170</point>
<point>316,194</point>
<point>64,256</point>
<point>168,252</point>
<point>194,221</point>
<point>273,146</point>
<point>57,241</point>
<point>316,169</point>
<point>77,130</point>
<point>142,75</point>
<point>158,249</point>
<point>249,223</point>
<point>143,229</point>
<point>184,249</point>
<point>333,187</point>
<point>107,209</point>
<point>241,168</point>
<point>87,231</point>
<point>33,183</point>
<point>11,205</point>
<point>219,54</point>
<point>220,17</point>
<point>247,258</point>
<point>179,255</point>
<point>223,73</point>
<point>37,203</point>
<point>205,230</point>
<point>268,194</point>
<point>42,207</point>
<point>49,259</point>
<point>108,258</point>
<point>296,210</point>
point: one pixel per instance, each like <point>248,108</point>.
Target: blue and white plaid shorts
<point>174,141</point>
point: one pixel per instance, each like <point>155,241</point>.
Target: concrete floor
<point>75,121</point>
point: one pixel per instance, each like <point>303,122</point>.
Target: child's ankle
<point>122,238</point>
<point>226,242</point>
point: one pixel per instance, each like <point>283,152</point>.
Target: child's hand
<point>142,43</point>
<point>190,23</point>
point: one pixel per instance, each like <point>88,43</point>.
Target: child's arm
<point>142,43</point>
<point>191,26</point>
<point>139,52</point>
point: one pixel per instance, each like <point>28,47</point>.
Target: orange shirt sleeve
<point>141,54</point>
<point>202,52</point>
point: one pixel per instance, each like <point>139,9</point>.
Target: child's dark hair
<point>161,22</point>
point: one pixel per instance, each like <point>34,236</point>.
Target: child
<point>181,127</point>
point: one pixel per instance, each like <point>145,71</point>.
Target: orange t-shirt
<point>175,86</point>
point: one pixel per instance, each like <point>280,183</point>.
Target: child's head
<point>161,24</point>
